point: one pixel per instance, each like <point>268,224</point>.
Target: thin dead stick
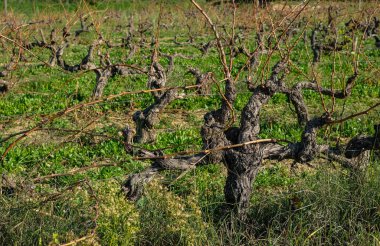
<point>222,54</point>
<point>333,75</point>
<point>24,135</point>
<point>233,35</point>
<point>22,47</point>
<point>298,38</point>
<point>233,119</point>
<point>277,43</point>
<point>91,235</point>
<point>61,130</point>
<point>354,115</point>
<point>208,151</point>
<point>56,195</point>
<point>72,172</point>
<point>71,137</point>
<point>156,37</point>
<point>83,105</point>
<point>49,215</point>
<point>186,171</point>
<point>96,207</point>
<point>89,70</point>
<point>282,34</point>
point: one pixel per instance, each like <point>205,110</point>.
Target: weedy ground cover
<point>61,183</point>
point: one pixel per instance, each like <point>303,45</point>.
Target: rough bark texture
<point>218,131</point>
<point>216,123</point>
<point>84,26</point>
<point>107,69</point>
<point>359,144</point>
<point>146,119</point>
<point>102,76</point>
<point>202,79</point>
<point>134,184</point>
<point>244,159</point>
<point>243,163</point>
<point>157,79</point>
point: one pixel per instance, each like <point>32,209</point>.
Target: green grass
<point>301,205</point>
